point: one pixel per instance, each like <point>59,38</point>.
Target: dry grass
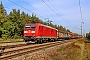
<point>87,50</point>
<point>69,52</point>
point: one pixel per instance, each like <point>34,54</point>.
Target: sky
<point>61,12</point>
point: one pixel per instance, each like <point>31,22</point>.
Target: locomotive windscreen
<point>30,27</point>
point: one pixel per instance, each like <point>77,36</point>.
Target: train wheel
<point>41,41</point>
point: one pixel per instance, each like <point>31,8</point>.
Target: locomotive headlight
<point>25,31</point>
<point>33,32</point>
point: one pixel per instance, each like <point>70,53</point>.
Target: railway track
<point>22,49</point>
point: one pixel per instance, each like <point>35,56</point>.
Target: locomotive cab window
<point>33,27</point>
<point>27,27</point>
<point>30,27</point>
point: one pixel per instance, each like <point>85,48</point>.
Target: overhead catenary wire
<point>54,7</point>
<point>7,7</point>
<point>49,19</point>
<point>57,13</point>
<point>24,8</point>
<point>27,9</point>
<point>34,7</point>
<point>53,10</point>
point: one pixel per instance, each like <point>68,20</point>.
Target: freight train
<point>38,33</point>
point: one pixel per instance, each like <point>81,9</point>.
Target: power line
<point>53,6</point>
<point>37,9</point>
<point>23,7</point>
<point>56,8</point>
<point>53,10</point>
<point>34,7</point>
<point>6,7</point>
<point>56,12</point>
<point>59,12</point>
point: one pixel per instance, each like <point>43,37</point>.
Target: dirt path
<point>82,50</point>
<point>87,51</point>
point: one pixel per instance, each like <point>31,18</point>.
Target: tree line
<point>88,35</point>
<point>12,24</point>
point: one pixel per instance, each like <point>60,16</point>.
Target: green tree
<point>8,30</point>
<point>14,17</point>
<point>2,14</point>
<point>68,30</point>
<point>3,19</point>
<point>61,28</point>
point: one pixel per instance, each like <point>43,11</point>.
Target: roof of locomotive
<point>49,27</point>
<point>41,25</point>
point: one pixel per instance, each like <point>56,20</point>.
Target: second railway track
<point>26,49</point>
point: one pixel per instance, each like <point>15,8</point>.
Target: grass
<point>68,53</point>
<point>87,50</point>
<point>10,40</point>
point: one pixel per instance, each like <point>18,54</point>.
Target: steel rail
<point>15,52</point>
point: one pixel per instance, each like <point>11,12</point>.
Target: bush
<point>4,37</point>
<point>16,36</point>
<point>88,35</point>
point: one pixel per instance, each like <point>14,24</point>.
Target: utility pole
<point>81,27</point>
<point>48,21</point>
<point>84,33</point>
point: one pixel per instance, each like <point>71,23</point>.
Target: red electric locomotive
<point>37,32</point>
